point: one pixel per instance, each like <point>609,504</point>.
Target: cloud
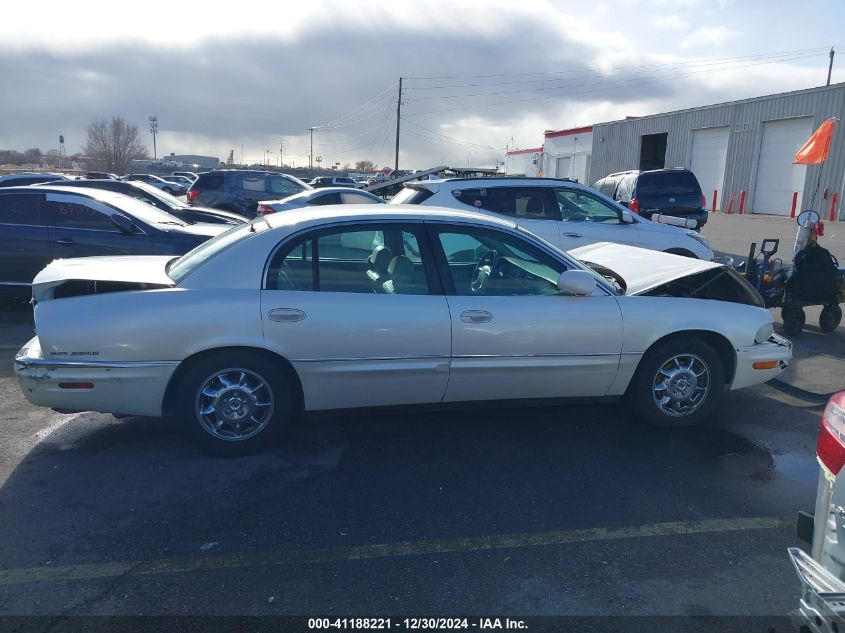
<point>472,73</point>
<point>708,36</point>
<point>671,21</point>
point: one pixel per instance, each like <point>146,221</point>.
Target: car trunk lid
<point>95,275</point>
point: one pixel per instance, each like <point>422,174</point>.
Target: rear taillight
<point>831,445</point>
<point>703,202</point>
<point>193,193</point>
<point>264,209</point>
<point>634,205</point>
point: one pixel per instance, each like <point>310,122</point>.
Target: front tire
<point>678,382</point>
<point>234,403</point>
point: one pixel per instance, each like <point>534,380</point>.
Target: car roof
<point>30,174</point>
<point>306,216</point>
<point>512,181</point>
<point>103,195</point>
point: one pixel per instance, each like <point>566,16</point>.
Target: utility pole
<point>281,155</point>
<point>830,66</point>
<point>311,151</point>
<point>268,156</point>
<point>154,129</point>
<point>398,119</point>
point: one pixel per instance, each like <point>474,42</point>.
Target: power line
<point>451,138</point>
<point>382,97</point>
<point>603,86</point>
<point>558,72</point>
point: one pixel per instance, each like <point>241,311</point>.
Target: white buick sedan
<point>357,306</point>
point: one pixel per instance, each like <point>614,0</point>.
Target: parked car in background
<point>674,192</point>
<point>30,178</point>
<point>565,213</point>
<point>467,305</point>
<point>172,188</point>
<point>335,181</point>
<point>182,180</point>
<point>190,175</point>
<point>316,197</point>
<point>240,190</point>
<point>40,224</point>
<point>161,200</point>
<point>99,175</point>
<point>822,572</point>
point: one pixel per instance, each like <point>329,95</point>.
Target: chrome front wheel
<point>234,404</point>
<point>681,385</point>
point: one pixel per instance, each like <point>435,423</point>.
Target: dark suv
<point>240,190</point>
<point>667,191</point>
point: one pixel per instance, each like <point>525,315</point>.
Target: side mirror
<point>576,282</point>
<point>627,218</point>
<point>123,223</point>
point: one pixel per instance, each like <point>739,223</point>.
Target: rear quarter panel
<point>168,324</point>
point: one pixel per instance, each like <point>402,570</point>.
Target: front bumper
<point>777,348</point>
<point>822,596</point>
<point>124,387</point>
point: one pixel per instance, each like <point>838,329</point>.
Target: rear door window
<point>668,183</point>
<point>608,186</point>
<point>530,203</point>
<point>253,183</point>
<point>357,198</point>
<point>282,185</point>
<point>19,208</point>
<point>75,215</point>
<point>209,181</point>
<point>329,198</point>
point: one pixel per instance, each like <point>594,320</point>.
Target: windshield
<point>574,263</point>
<point>180,268</point>
<point>411,195</point>
<point>163,196</point>
<point>141,210</point>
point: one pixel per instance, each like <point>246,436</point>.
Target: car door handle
<point>476,316</point>
<point>65,241</point>
<point>285,315</point>
<point>572,235</point>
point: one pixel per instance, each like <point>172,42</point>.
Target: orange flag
<point>816,149</point>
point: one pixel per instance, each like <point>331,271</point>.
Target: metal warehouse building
<point>741,151</point>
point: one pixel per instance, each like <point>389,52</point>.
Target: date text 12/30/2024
<point>413,624</point>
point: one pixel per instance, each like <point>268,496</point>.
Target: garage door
<point>707,160</point>
<point>563,167</point>
<point>777,177</point>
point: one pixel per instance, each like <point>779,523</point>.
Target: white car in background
<point>563,212</point>
<point>297,311</point>
<point>173,188</point>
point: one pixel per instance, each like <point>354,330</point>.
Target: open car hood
<point>96,275</point>
<point>642,269</point>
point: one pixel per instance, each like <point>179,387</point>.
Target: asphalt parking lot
<point>573,510</point>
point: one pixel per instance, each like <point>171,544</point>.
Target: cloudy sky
<point>479,75</point>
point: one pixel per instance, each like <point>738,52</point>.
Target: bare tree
<point>365,166</point>
<point>112,145</point>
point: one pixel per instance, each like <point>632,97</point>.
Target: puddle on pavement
<point>743,457</point>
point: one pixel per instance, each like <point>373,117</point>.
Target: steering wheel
<point>484,269</point>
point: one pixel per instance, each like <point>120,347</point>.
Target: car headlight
<point>698,237</point>
<point>764,333</point>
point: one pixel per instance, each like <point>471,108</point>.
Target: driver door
<point>514,335</point>
<point>587,220</point>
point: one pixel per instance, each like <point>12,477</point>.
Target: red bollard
<point>794,204</point>
<point>833,202</point>
<point>730,205</point>
<point>714,201</point>
<point>741,202</point>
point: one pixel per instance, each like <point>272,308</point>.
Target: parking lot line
<point>45,573</point>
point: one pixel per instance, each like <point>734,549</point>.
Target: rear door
<point>360,330</point>
<point>24,236</point>
<point>81,227</point>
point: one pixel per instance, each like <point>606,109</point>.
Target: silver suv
<point>563,212</point>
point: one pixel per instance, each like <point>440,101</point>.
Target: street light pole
<point>311,151</point>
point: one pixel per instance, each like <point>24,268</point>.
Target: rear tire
<point>793,320</point>
<point>234,403</point>
<point>679,382</point>
<point>830,318</point>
